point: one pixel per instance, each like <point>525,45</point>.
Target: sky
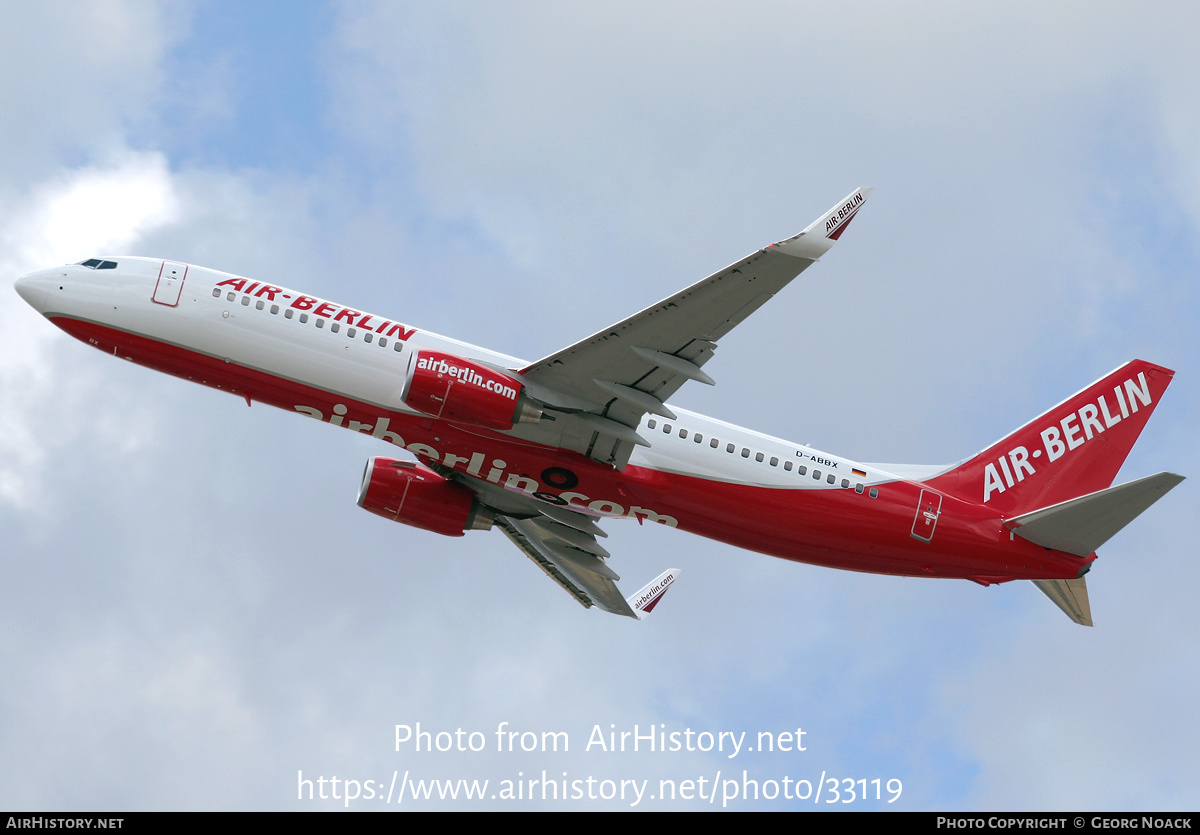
<point>194,614</point>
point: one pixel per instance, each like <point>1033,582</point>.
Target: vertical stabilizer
<point>1075,448</point>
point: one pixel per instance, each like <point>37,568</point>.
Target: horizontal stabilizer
<point>1070,596</point>
<point>1080,526</point>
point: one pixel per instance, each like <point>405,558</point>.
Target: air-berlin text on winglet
<point>844,212</point>
<point>1077,428</point>
<point>547,450</point>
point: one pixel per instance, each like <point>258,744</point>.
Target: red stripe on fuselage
<point>835,527</point>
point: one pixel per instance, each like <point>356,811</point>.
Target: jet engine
<point>465,391</point>
<point>409,492</point>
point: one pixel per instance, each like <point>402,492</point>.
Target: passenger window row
<point>713,443</point>
<point>351,332</point>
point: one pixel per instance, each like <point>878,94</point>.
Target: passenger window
<point>874,492</point>
<point>787,465</point>
<point>367,336</point>
<point>303,318</point>
<point>845,482</point>
<point>730,448</point>
<point>745,452</point>
<point>245,301</point>
<point>683,433</point>
<point>831,478</point>
<point>350,332</point>
<point>260,304</point>
<point>398,347</point>
<point>666,429</point>
<point>817,475</point>
<point>287,314</point>
<point>774,461</point>
<point>335,327</point>
<point>698,438</point>
<point>858,488</point>
<point>216,292</point>
<point>649,425</point>
<point>803,470</point>
<point>320,322</point>
<point>714,443</point>
<point>383,342</point>
<point>758,457</point>
<point>230,297</point>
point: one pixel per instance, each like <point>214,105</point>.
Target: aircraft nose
<point>32,288</point>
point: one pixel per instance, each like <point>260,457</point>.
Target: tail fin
<point>1075,448</point>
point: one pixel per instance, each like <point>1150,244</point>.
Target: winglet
<point>647,598</point>
<point>824,232</point>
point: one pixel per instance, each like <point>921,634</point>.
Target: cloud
<point>93,210</point>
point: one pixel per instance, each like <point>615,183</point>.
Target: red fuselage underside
<point>839,528</point>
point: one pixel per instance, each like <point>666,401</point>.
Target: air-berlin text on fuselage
<point>1072,432</point>
<point>465,374</point>
<point>317,307</point>
<point>476,464</point>
<point>850,207</point>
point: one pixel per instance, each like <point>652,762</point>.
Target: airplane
<point>545,451</point>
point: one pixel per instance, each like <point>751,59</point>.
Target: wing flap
<point>526,546</point>
<point>584,575</point>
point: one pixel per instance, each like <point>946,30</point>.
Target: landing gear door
<point>170,283</point>
<point>928,511</point>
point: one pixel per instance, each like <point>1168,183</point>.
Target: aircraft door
<point>929,508</point>
<point>170,283</point>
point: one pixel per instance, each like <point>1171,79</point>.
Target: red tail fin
<point>1075,448</point>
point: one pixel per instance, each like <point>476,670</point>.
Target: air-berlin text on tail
<point>1071,432</point>
<point>317,307</point>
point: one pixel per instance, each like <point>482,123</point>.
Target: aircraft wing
<point>564,543</point>
<point>581,572</point>
<point>602,386</point>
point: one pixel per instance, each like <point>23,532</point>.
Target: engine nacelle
<point>453,388</point>
<point>409,492</point>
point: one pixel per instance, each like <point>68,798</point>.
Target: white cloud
<point>95,210</point>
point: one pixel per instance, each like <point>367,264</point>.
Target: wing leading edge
<point>602,386</point>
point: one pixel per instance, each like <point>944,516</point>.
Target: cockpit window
<point>97,264</point>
